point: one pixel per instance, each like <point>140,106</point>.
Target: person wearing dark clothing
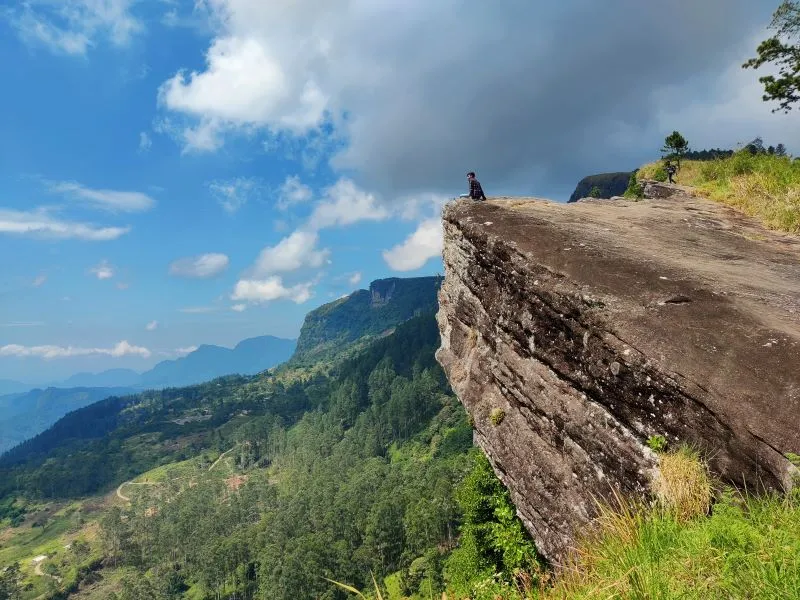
<point>671,169</point>
<point>475,189</point>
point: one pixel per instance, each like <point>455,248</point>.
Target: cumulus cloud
<point>74,26</point>
<point>293,252</point>
<point>293,191</point>
<point>39,280</point>
<point>200,267</point>
<point>109,200</point>
<point>538,104</point>
<point>354,279</point>
<point>103,270</point>
<point>346,203</point>
<point>151,326</point>
<point>271,288</point>
<point>235,193</point>
<point>122,348</point>
<point>239,307</point>
<point>422,245</point>
<point>41,223</point>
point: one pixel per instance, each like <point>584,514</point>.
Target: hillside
<point>273,485</point>
<point>364,313</point>
<point>24,415</point>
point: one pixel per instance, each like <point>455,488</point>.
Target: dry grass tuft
<point>683,485</point>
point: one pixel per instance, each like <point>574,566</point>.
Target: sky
<point>174,173</point>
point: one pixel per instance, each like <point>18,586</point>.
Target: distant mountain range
<point>249,357</point>
<point>25,412</point>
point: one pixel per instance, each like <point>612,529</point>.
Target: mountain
<point>248,357</point>
<point>109,378</point>
<point>364,313</point>
<point>609,184</point>
<point>8,386</point>
<point>26,414</point>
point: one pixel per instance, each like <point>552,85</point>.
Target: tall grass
<point>763,186</point>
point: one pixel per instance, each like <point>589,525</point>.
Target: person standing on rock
<point>475,189</point>
<point>671,169</point>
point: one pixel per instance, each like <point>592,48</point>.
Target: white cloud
<point>145,141</point>
<point>200,267</point>
<point>244,84</point>
<point>185,351</point>
<point>39,280</point>
<point>40,223</point>
<point>294,252</point>
<point>355,278</point>
<point>235,193</point>
<point>123,348</point>
<point>344,204</point>
<point>23,324</point>
<point>271,288</point>
<point>151,326</point>
<point>110,200</point>
<point>103,270</point>
<point>239,307</point>
<point>425,243</point>
<point>198,310</point>
<point>74,26</point>
<point>123,286</point>
<point>293,191</point>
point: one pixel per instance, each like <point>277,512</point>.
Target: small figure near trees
<point>671,169</point>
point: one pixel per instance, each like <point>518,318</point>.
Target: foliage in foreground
<point>764,186</point>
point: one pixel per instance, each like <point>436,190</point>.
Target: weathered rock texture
<point>595,325</point>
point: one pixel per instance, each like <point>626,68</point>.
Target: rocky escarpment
<point>608,184</point>
<point>573,332</point>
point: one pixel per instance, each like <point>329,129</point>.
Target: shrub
<point>635,189</point>
<point>496,416</point>
<point>657,443</point>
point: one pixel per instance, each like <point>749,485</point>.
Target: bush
<point>496,416</point>
<point>635,189</point>
<point>660,174</point>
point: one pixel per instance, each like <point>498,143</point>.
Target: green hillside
<point>329,329</point>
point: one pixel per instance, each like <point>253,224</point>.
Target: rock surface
<point>595,325</point>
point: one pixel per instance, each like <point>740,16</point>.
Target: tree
<point>783,51</point>
<point>11,583</point>
<point>675,147</point>
<point>780,150</point>
<point>595,192</point>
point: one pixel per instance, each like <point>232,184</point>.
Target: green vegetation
<point>763,185</point>
<point>657,443</point>
<point>782,51</point>
<point>496,416</point>
<point>595,192</point>
<point>635,189</point>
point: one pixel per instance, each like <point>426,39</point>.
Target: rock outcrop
<point>573,332</point>
<point>609,184</point>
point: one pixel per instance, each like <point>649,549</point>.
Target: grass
<point>766,187</point>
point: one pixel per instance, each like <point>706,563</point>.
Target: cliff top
<point>707,293</point>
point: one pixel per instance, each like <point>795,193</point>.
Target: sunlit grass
<point>763,186</point>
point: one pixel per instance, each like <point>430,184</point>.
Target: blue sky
<point>177,173</point>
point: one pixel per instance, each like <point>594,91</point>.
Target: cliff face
<point>609,184</point>
<point>573,332</point>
